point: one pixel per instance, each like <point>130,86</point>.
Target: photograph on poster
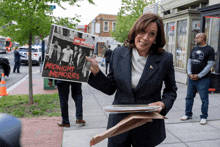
<point>65,54</point>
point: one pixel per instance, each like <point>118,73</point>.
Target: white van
<point>36,54</point>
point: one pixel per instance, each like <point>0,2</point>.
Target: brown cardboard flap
<point>132,121</point>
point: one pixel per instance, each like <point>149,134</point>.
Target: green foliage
<point>130,11</point>
<point>31,18</point>
<point>17,105</point>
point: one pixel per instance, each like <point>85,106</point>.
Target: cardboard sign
<point>65,54</point>
<point>132,121</point>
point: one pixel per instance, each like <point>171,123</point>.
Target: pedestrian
<point>86,65</point>
<point>137,73</point>
<point>66,56</point>
<point>103,61</point>
<point>80,60</point>
<point>55,53</point>
<point>76,93</point>
<point>17,60</point>
<point>75,55</point>
<point>199,65</point>
<point>107,56</point>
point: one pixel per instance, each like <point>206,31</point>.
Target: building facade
<point>102,25</point>
<point>182,21</point>
<point>210,25</point>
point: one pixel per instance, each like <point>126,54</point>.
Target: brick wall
<point>100,19</point>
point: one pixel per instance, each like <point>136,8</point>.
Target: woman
<point>137,72</point>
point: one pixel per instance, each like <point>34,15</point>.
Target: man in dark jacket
<point>17,59</point>
<point>107,56</point>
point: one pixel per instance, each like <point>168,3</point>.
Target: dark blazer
<point>81,61</point>
<point>17,56</point>
<point>108,54</point>
<point>158,68</point>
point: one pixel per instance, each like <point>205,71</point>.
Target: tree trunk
<point>31,101</point>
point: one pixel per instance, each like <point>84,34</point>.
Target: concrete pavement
<point>179,133</point>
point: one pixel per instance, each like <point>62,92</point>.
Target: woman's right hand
<point>94,65</point>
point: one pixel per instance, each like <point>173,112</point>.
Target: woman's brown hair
<point>141,24</point>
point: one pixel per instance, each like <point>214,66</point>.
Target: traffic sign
<point>52,7</point>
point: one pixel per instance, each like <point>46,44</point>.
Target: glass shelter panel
<point>181,44</point>
<point>170,36</point>
<point>212,24</point>
<point>195,30</point>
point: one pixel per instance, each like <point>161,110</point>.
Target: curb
<point>19,82</point>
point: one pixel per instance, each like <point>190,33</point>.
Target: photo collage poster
<point>65,54</point>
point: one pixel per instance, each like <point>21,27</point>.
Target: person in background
<point>17,60</point>
<point>66,57</point>
<point>76,93</point>
<point>55,53</point>
<point>87,64</point>
<point>200,63</point>
<point>137,73</point>
<point>103,61</point>
<point>80,60</point>
<point>107,56</point>
<point>75,55</point>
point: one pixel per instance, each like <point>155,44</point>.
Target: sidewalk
<point>179,133</point>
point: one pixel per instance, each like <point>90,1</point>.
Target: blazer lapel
<point>125,65</point>
<point>149,69</point>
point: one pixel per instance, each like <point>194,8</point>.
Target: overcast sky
<point>88,11</point>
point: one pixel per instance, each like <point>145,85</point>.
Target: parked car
<point>36,53</point>
<point>4,66</point>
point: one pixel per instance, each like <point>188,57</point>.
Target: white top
<point>138,63</point>
<point>67,55</point>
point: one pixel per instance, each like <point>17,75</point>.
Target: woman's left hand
<point>159,103</point>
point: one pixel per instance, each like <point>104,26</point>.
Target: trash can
<point>46,86</point>
<point>215,82</point>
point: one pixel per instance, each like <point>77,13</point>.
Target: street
<point>15,77</point>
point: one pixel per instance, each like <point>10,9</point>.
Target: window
<point>113,26</point>
<point>97,28</point>
<point>105,26</point>
<point>195,30</point>
<point>212,32</point>
<point>181,44</point>
<point>170,37</point>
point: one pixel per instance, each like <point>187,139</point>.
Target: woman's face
<point>146,38</point>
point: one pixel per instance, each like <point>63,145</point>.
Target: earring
<point>155,42</point>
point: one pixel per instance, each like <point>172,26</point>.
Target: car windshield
<point>26,50</point>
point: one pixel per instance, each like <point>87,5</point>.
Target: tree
<point>130,11</point>
<point>26,19</point>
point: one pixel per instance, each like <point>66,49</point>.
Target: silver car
<point>36,54</point>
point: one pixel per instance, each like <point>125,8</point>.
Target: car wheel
<point>1,71</point>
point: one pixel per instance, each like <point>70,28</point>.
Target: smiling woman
<point>150,29</point>
<point>145,39</point>
<point>137,73</point>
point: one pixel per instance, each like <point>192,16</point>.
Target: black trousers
<point>76,91</point>
<point>64,63</point>
<point>17,66</point>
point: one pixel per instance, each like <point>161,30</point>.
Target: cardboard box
<point>132,121</point>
